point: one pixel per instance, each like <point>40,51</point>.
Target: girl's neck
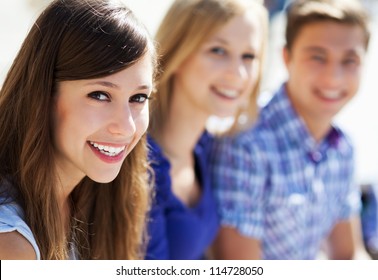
<point>179,141</point>
<point>182,131</point>
<point>66,182</point>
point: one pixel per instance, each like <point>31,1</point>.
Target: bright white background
<point>272,270</point>
<point>17,16</point>
<point>359,118</point>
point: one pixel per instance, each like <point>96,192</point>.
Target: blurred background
<point>359,119</point>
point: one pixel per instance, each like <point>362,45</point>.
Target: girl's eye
<point>99,95</point>
<point>218,51</point>
<point>139,98</point>
<point>249,56</point>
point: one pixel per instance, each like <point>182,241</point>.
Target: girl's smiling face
<point>218,78</point>
<point>97,122</point>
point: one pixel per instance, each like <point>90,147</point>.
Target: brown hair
<point>71,40</point>
<point>187,24</point>
<point>303,12</point>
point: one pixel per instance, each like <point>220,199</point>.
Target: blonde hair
<point>187,24</point>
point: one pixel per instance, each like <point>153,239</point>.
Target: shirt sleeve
<point>11,220</point>
<point>238,171</point>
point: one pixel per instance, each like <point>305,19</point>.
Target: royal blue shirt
<point>177,231</point>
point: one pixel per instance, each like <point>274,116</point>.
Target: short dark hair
<point>302,12</point>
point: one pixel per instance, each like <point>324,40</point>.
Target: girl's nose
<point>123,123</point>
<point>236,69</point>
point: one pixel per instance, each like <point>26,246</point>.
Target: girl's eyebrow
<point>224,42</point>
<point>217,39</point>
<point>112,85</point>
<point>103,83</point>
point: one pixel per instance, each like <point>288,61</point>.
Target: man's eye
<point>99,95</point>
<point>350,62</point>
<point>139,98</point>
<point>318,58</point>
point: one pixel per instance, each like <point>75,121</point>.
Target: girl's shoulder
<point>14,246</point>
<point>16,238</point>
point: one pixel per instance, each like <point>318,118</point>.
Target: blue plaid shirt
<point>274,183</point>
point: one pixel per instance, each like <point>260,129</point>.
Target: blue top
<point>177,231</point>
<point>12,219</point>
<point>278,185</point>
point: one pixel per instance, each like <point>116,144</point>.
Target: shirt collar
<point>291,125</point>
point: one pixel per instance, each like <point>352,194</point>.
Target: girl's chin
<point>106,178</point>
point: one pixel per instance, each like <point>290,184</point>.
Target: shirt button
<point>316,156</point>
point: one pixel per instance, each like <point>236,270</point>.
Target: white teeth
<point>228,92</point>
<point>108,150</point>
<point>331,94</point>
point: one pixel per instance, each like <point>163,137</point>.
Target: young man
<point>286,185</point>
